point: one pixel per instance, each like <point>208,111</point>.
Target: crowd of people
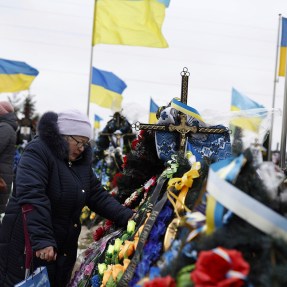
<point>54,180</point>
<point>44,194</point>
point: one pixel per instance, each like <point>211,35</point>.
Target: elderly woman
<point>54,181</point>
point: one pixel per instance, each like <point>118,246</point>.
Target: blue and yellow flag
<point>283,48</point>
<point>129,22</point>
<point>106,89</point>
<point>178,105</point>
<point>97,120</point>
<point>152,112</point>
<point>15,76</point>
<point>240,102</point>
<point>165,2</point>
<point>229,170</point>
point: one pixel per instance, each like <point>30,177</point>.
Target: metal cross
<point>183,129</point>
<point>184,85</point>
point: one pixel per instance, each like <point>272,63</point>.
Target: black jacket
<point>8,127</point>
<point>57,191</point>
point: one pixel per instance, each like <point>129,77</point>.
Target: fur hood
<point>48,131</point>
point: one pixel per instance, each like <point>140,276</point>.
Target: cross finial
<point>184,85</point>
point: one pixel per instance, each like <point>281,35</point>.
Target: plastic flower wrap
<point>90,256</point>
<point>89,268</point>
<point>272,176</point>
<point>252,124</point>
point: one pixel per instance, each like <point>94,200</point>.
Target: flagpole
<point>274,92</point>
<point>91,61</point>
<point>284,124</point>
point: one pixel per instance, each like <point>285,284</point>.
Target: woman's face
<point>77,145</point>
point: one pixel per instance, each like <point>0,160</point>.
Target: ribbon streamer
<point>246,207</point>
<point>183,184</point>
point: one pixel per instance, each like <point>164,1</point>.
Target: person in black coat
<point>8,127</point>
<point>54,181</point>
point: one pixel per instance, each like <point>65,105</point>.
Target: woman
<point>8,127</point>
<point>54,181</point>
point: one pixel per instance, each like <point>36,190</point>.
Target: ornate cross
<point>184,85</point>
<point>183,129</point>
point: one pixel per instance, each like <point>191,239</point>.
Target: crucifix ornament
<point>182,128</point>
<point>116,137</point>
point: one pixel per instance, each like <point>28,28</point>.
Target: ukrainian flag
<point>229,170</point>
<point>240,102</point>
<point>97,120</point>
<point>15,76</point>
<point>152,112</point>
<point>106,89</point>
<point>130,22</point>
<point>283,48</point>
<point>178,105</point>
<point>165,2</point>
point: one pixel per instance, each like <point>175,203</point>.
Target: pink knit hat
<point>5,108</point>
<point>74,123</point>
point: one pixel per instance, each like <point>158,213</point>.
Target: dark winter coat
<point>8,127</point>
<point>57,190</point>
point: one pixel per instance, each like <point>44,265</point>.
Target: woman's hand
<point>48,254</point>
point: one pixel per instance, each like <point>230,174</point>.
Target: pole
<point>91,61</point>
<point>274,92</point>
<point>284,124</point>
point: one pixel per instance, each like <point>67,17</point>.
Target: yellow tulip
<point>127,249</point>
<point>106,276</point>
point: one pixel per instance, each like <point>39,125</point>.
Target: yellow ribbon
<point>183,184</point>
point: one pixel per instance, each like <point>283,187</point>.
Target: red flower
<point>124,161</point>
<point>115,179</point>
<point>167,281</point>
<point>138,139</point>
<point>108,224</point>
<point>220,268</point>
<point>134,144</point>
<point>98,233</point>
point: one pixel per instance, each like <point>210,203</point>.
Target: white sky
<point>224,44</point>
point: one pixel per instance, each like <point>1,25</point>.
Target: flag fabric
<point>15,76</point>
<point>129,22</point>
<point>190,111</point>
<point>249,122</point>
<point>97,120</point>
<point>228,170</point>
<point>152,112</point>
<point>106,89</point>
<point>283,48</point>
<point>165,2</point>
<point>216,147</point>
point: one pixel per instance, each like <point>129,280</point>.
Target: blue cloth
<point>214,147</point>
